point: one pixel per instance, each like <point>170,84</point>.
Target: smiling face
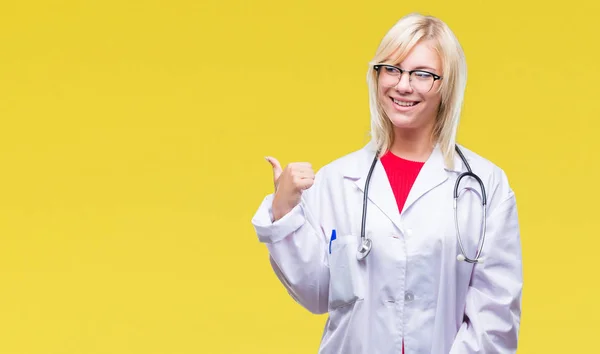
<point>412,104</point>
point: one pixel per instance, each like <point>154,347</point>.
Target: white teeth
<point>403,103</point>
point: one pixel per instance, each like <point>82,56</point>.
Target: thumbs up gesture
<point>289,184</point>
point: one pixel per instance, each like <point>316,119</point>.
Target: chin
<point>406,121</point>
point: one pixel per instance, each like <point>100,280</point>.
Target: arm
<point>493,300</point>
<point>297,249</point>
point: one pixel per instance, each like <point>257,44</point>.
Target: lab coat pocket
<point>346,284</point>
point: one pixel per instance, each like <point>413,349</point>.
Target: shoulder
<point>350,165</point>
<point>493,176</point>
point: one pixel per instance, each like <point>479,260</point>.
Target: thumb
<point>277,170</point>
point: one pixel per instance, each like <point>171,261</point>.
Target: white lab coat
<point>411,285</point>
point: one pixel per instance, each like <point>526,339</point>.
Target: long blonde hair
<point>395,46</point>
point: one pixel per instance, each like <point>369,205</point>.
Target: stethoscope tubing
<point>365,246</point>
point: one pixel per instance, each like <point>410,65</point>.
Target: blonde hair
<point>395,46</point>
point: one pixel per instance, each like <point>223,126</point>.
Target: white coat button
<point>409,296</point>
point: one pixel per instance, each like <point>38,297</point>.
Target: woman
<point>401,287</point>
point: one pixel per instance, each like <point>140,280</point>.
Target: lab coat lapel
<point>432,174</point>
<point>380,191</point>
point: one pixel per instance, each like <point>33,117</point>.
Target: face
<point>411,104</point>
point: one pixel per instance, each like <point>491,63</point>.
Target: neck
<point>414,145</point>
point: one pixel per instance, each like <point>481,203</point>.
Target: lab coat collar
<point>433,173</point>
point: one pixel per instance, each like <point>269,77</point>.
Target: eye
<point>391,70</point>
<point>422,75</point>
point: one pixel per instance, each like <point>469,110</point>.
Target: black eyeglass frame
<point>410,72</point>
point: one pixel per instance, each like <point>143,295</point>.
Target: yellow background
<point>132,140</point>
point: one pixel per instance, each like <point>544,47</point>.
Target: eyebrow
<point>428,68</point>
<point>421,67</point>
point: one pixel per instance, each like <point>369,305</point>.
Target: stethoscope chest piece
<point>364,249</point>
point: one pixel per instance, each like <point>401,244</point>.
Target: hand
<point>289,184</point>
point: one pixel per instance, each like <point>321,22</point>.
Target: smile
<point>404,104</point>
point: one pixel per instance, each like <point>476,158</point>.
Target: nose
<point>403,84</point>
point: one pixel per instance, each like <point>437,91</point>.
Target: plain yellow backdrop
<point>132,140</point>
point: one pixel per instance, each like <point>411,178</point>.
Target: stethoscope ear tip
<point>460,258</point>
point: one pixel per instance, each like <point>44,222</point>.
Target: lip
<point>402,108</point>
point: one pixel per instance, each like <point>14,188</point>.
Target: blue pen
<point>333,237</point>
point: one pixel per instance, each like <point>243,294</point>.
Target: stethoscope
<point>366,243</point>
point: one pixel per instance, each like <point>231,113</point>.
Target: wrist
<point>280,208</point>
<point>279,212</point>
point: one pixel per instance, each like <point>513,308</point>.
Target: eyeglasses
<point>420,80</point>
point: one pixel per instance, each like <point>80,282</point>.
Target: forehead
<point>422,55</point>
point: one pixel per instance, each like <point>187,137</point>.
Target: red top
<point>402,174</point>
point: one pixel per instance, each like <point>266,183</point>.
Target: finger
<point>305,183</point>
<point>305,174</point>
<point>277,170</point>
<point>301,165</point>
